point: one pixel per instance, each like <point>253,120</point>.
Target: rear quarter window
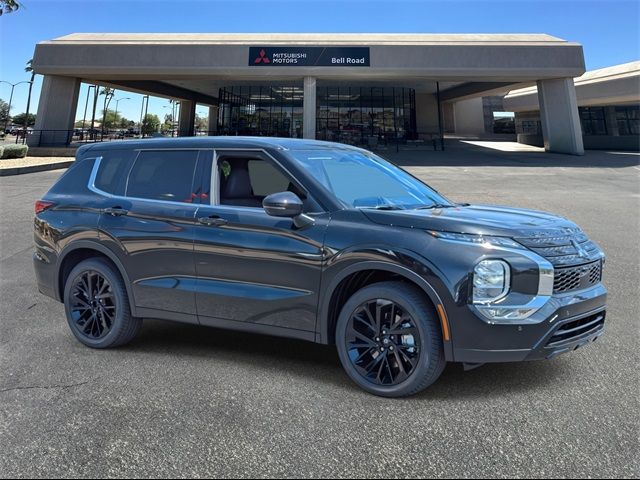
<point>112,173</point>
<point>75,179</point>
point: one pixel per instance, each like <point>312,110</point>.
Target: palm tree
<point>29,69</point>
<point>108,95</point>
<point>8,6</point>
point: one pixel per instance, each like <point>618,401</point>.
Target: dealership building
<point>354,88</point>
<point>608,107</point>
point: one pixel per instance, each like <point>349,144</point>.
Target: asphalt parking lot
<point>187,401</point>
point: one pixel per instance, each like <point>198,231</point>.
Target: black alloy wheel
<point>383,342</point>
<point>389,339</point>
<point>92,305</point>
<point>97,305</point>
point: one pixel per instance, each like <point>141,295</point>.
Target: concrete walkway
<point>466,153</point>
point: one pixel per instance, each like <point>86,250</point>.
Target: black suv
<point>316,241</point>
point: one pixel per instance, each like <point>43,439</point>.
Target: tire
<point>102,319</point>
<point>359,345</point>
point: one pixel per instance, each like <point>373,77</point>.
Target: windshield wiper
<point>435,205</point>
<point>387,206</point>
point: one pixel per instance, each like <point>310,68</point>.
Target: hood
<point>476,219</point>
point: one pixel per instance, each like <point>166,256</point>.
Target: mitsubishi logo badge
<point>262,58</point>
<point>582,253</point>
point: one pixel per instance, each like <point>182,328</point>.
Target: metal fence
<point>76,137</point>
<point>72,138</point>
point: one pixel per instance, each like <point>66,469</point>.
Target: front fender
<point>407,265</point>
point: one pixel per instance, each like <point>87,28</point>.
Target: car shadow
<point>306,359</point>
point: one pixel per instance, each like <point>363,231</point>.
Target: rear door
<point>252,267</point>
<point>151,228</point>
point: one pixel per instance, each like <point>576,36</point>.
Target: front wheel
<point>389,340</point>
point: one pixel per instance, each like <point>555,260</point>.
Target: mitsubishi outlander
<point>315,241</point>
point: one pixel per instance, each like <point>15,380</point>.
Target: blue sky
<point>608,29</point>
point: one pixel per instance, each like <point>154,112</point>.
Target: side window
<point>113,170</point>
<point>163,175</point>
<point>265,179</point>
<point>245,181</point>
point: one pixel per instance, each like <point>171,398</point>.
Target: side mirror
<point>287,204</point>
<point>282,204</point>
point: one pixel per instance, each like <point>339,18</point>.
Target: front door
<point>252,267</point>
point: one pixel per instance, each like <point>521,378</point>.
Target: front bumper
<point>570,322</point>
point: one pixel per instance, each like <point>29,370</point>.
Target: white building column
<point>187,119</point>
<point>309,108</point>
<point>561,129</point>
<point>56,112</point>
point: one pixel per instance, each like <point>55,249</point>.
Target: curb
<point>5,172</point>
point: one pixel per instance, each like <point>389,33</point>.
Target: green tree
<point>202,123</point>
<point>21,119</point>
<point>150,124</point>
<point>4,112</point>
<point>108,95</point>
<point>8,6</point>
<point>110,119</point>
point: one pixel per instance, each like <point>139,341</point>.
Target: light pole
<point>116,115</point>
<point>86,104</point>
<point>173,116</point>
<point>145,99</point>
<point>13,85</point>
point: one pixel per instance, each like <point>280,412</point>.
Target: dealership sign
<point>309,56</point>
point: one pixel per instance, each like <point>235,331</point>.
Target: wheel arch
<point>81,250</point>
<point>327,317</point>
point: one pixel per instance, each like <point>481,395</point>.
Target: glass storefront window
<point>365,115</point>
<point>592,120</point>
<point>628,118</point>
<point>347,114</point>
<point>261,111</point>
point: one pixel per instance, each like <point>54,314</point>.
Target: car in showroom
<point>315,241</point>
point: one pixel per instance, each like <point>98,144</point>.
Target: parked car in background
<point>316,241</point>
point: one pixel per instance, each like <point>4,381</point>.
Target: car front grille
<point>577,328</point>
<point>577,278</point>
<point>569,247</point>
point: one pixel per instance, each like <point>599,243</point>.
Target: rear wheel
<point>97,305</point>
<point>389,340</point>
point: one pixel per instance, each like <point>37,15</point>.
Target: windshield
<point>363,180</point>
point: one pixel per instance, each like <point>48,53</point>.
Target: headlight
<point>486,241</point>
<point>491,281</point>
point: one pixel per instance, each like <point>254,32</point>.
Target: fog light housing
<point>491,281</point>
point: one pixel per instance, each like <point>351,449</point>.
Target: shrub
<point>14,151</point>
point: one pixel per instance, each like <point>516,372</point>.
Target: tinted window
<point>265,179</point>
<point>113,170</point>
<point>75,179</point>
<point>163,175</point>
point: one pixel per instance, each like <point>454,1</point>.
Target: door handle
<point>115,211</point>
<point>213,221</point>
